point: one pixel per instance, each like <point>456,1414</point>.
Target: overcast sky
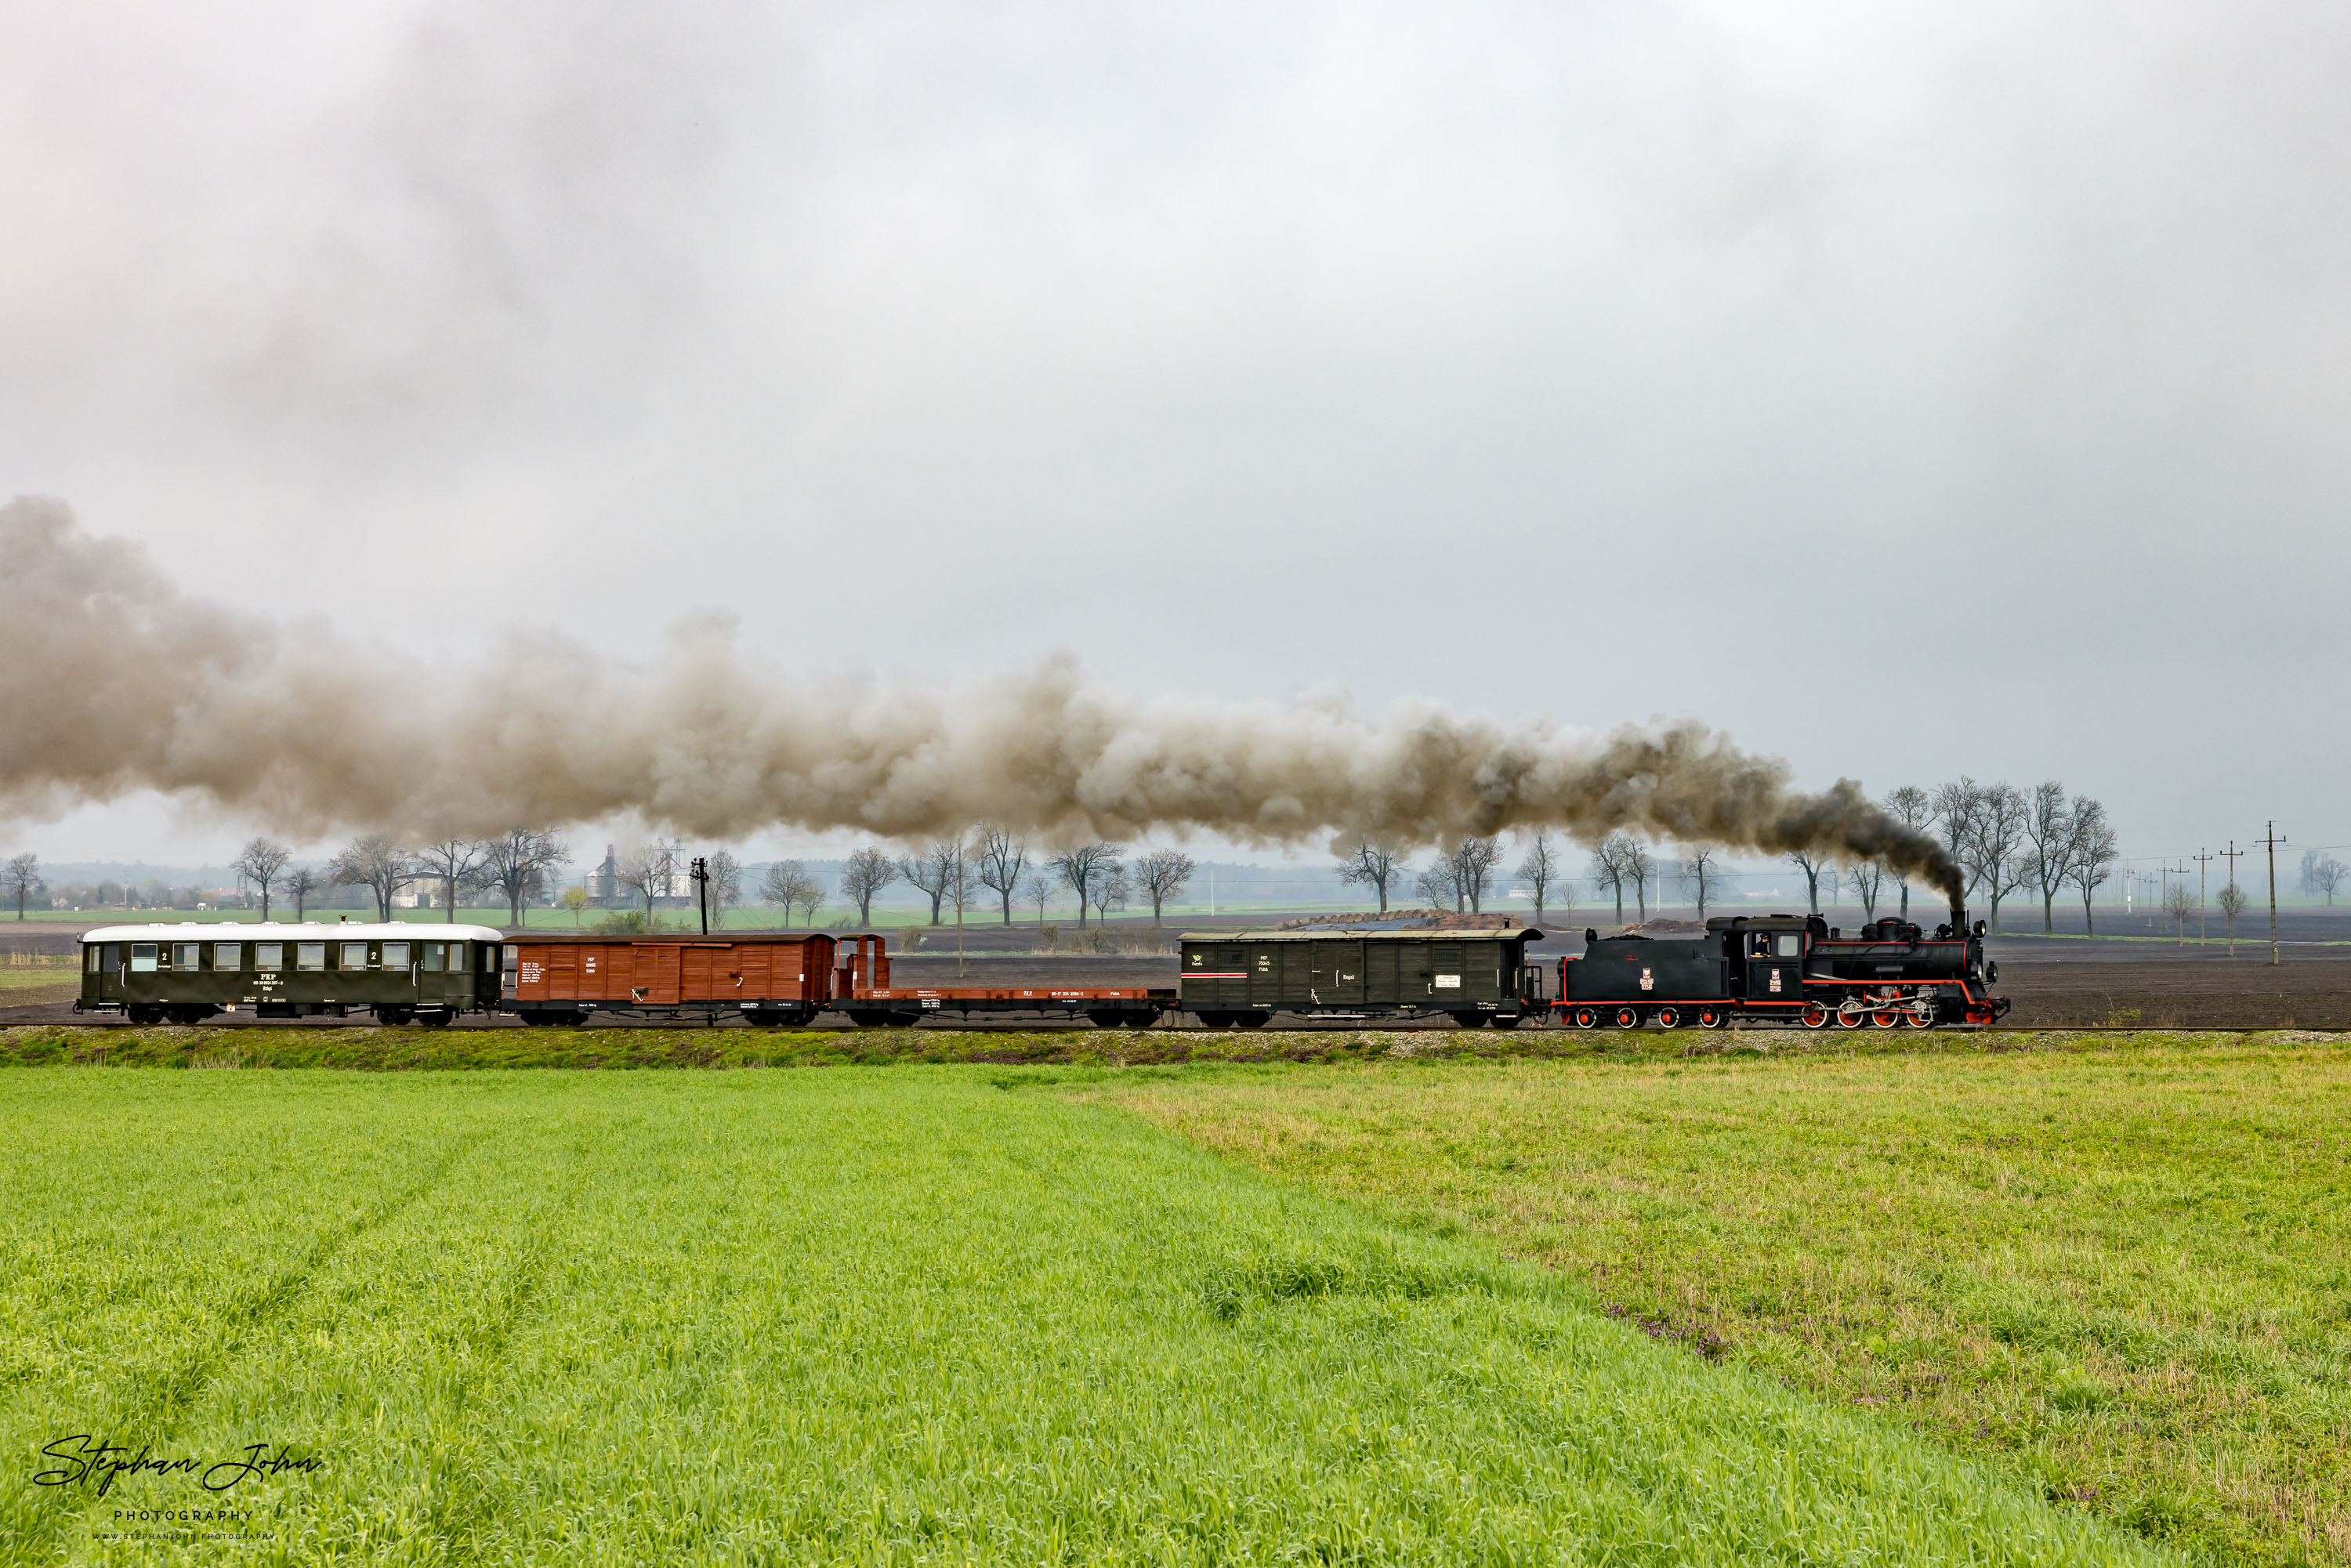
<point>1909,390</point>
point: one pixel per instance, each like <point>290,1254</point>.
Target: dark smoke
<point>122,683</point>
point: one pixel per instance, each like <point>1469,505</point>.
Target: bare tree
<point>1996,855</point>
<point>1438,887</point>
<point>1955,809</point>
<point>1078,868</point>
<point>377,863</point>
<point>724,882</point>
<point>1369,865</point>
<point>1001,858</point>
<point>2091,855</point>
<point>2180,905</point>
<point>864,874</point>
<point>788,882</point>
<point>1038,890</point>
<point>21,877</point>
<point>1642,867</point>
<point>297,883</point>
<point>1540,870</point>
<point>259,862</point>
<point>1474,860</point>
<point>2049,829</point>
<point>935,871</point>
<point>2321,873</point>
<point>454,864</point>
<point>1162,875</point>
<point>651,871</point>
<point>812,897</point>
<point>1612,861</point>
<point>1811,863</point>
<point>517,863</point>
<point>1113,887</point>
<point>1867,878</point>
<point>1911,807</point>
<point>2233,902</point>
<point>1700,873</point>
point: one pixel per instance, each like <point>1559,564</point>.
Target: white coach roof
<point>279,931</point>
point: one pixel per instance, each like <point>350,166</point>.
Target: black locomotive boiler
<point>1788,969</point>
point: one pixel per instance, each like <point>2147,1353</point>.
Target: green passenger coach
<point>1477,975</point>
<point>184,973</point>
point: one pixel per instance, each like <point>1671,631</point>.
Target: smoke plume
<point>124,683</point>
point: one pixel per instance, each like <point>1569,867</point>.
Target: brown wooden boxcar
<point>561,979</point>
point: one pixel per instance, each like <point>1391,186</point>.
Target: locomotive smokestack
<point>1959,918</point>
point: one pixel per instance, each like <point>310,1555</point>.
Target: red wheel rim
<point>1815,1016</point>
<point>1626,1018</point>
<point>1883,1021</point>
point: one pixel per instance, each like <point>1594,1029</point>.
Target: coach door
<point>1337,972</point>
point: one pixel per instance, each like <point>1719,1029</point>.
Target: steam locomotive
<point>1786,969</point>
<point>1781,968</point>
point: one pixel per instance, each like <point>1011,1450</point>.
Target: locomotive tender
<point>1783,968</point>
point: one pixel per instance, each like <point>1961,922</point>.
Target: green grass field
<point>895,1315</point>
<point>2123,1275</point>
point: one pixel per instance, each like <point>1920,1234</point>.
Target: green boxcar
<point>1477,975</point>
<point>181,973</point>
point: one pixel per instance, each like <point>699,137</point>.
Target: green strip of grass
<point>871,1317</point>
<point>2122,1273</point>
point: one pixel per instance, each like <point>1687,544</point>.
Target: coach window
<point>395,955</point>
<point>354,956</point>
<point>114,955</point>
<point>228,956</point>
<point>429,957</point>
<point>143,958</point>
<point>269,955</point>
<point>184,954</point>
<point>309,955</point>
<point>96,953</point>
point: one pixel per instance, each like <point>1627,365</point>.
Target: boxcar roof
<point>1343,933</point>
<point>276,931</point>
<point>675,938</point>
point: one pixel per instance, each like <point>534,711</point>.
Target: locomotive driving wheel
<point>1815,1016</point>
<point>1709,1018</point>
<point>1885,1019</point>
<point>1847,1018</point>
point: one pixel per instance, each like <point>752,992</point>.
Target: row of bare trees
<point>514,864</point>
<point>951,871</point>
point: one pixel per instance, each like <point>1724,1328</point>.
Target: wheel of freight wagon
<point>1587,1018</point>
<point>1884,1020</point>
<point>394,1017</point>
<point>1815,1016</point>
<point>1626,1018</point>
<point>436,1018</point>
<point>1709,1018</point>
<point>1252,1019</point>
<point>1109,1018</point>
<point>1473,1020</point>
<point>539,1019</point>
<point>1669,1018</point>
<point>1511,1021</point>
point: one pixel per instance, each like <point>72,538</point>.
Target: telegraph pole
<point>2271,842</point>
<point>2202,878</point>
<point>2232,853</point>
<point>701,874</point>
